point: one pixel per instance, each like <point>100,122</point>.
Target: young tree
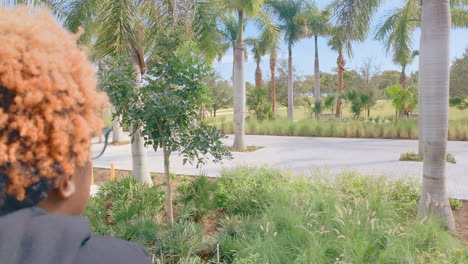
<point>434,72</point>
<point>458,73</point>
<point>402,98</point>
<point>368,71</point>
<point>163,109</point>
<point>220,93</point>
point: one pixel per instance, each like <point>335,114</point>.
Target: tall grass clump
<point>349,219</point>
<point>332,127</point>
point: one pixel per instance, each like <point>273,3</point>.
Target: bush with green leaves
<point>316,108</point>
<point>329,103</point>
<point>402,98</point>
<point>259,104</point>
<point>360,100</point>
<point>458,102</point>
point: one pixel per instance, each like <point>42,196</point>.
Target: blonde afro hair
<point>49,106</point>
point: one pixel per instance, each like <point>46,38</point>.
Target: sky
<point>303,51</point>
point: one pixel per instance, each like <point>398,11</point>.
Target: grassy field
<point>263,215</point>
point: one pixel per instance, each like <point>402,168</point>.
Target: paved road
<point>376,156</point>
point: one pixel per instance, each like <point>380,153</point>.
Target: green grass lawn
<point>263,215</point>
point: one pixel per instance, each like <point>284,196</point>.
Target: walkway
<point>376,156</point>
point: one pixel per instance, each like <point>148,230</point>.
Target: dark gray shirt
<point>31,235</point>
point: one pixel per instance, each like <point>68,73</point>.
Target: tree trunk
<point>273,81</point>
<point>167,174</point>
<point>290,85</point>
<point>239,88</point>
<point>403,79</point>
<point>214,112</point>
<point>139,156</point>
<point>316,72</point>
<point>258,77</point>
<point>341,64</point>
<point>117,131</point>
<point>434,70</point>
<point>368,113</point>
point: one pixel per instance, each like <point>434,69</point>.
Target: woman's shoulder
<point>103,249</point>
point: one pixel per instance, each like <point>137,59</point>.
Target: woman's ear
<point>66,187</point>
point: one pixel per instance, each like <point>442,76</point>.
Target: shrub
<point>455,204</point>
<point>410,156</point>
<point>199,196</point>
<point>450,158</point>
<point>178,242</point>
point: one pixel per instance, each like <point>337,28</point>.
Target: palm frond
<point>355,16</point>
<point>117,32</point>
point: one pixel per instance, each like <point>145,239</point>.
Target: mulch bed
<point>461,222</point>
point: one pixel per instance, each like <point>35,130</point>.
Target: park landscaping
<point>263,215</point>
<point>380,124</point>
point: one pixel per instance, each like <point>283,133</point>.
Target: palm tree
<point>397,31</point>
<point>338,43</point>
<point>229,30</point>
<point>260,47</point>
<point>288,13</point>
<point>316,24</point>
<point>245,9</point>
<point>353,19</point>
<point>434,72</point>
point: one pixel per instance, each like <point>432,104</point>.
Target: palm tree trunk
<point>273,80</point>
<point>341,64</point>
<point>239,88</point>
<point>290,84</point>
<point>169,210</point>
<point>139,156</point>
<point>434,70</point>
<point>316,72</point>
<point>258,76</point>
<point>403,81</point>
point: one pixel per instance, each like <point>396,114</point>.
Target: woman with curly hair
<point>49,111</point>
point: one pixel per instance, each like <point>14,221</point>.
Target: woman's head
<point>49,110</point>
